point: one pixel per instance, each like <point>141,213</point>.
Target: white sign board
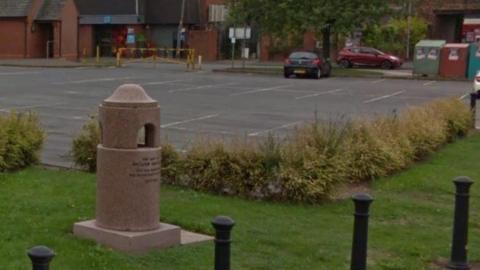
<point>246,53</point>
<point>240,32</point>
<point>233,40</point>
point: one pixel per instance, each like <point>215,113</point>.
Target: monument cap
<point>130,95</point>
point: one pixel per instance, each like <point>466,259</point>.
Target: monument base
<point>131,242</point>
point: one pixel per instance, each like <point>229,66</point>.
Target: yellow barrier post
<point>119,54</point>
<point>84,55</point>
<point>98,55</point>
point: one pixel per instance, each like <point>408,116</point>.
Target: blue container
<point>474,61</point>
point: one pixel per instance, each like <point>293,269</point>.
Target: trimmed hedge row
<point>306,166</point>
<point>21,140</point>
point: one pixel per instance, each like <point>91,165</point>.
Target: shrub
<point>313,160</point>
<point>21,140</point>
<point>392,36</point>
<point>84,147</point>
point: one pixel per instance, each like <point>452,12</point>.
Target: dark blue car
<point>306,64</point>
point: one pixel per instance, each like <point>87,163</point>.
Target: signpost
<point>242,33</point>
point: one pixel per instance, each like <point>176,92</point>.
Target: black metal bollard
<point>40,257</point>
<point>458,259</point>
<point>223,227</point>
<point>473,105</point>
<point>360,233</point>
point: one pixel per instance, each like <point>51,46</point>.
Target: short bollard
<point>40,257</point>
<point>473,105</point>
<point>360,233</point>
<point>458,259</point>
<point>223,227</point>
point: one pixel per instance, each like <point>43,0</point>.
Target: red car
<point>364,56</point>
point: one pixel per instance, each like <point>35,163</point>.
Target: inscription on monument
<point>147,169</point>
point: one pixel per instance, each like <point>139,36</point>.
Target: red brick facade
<point>12,34</point>
<point>204,43</point>
<point>25,37</point>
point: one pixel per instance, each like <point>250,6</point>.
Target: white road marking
<point>94,80</point>
<point>321,93</point>
<point>189,120</point>
<point>260,90</point>
<point>199,87</point>
<point>384,97</point>
<point>429,83</point>
<point>254,134</point>
<point>464,96</point>
<point>18,73</point>
<point>164,82</point>
<point>203,131</point>
<point>379,81</point>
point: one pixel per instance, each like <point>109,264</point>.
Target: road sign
<point>107,19</point>
<point>240,32</point>
<point>233,40</point>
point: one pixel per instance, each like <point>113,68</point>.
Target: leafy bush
<point>392,36</point>
<point>84,147</point>
<point>21,139</point>
<point>313,160</point>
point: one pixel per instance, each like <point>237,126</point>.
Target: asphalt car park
<point>203,103</point>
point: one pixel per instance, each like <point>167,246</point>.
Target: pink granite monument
<point>128,176</point>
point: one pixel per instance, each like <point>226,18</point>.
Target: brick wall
<point>69,31</point>
<point>12,37</point>
<point>204,43</point>
<point>85,42</point>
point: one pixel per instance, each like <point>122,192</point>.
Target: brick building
<point>112,24</point>
<point>38,29</point>
<point>452,20</point>
<point>72,28</point>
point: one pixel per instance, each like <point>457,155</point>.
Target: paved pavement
<point>204,103</point>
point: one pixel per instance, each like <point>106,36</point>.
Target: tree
<point>285,18</point>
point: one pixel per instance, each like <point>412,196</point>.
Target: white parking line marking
<point>189,120</point>
<point>94,80</point>
<point>199,87</point>
<point>254,134</point>
<point>384,97</point>
<point>203,131</point>
<point>321,93</point>
<point>378,81</point>
<point>18,73</point>
<point>429,83</point>
<point>260,90</point>
<point>464,96</point>
<point>164,82</point>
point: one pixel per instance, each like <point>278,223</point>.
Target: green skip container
<point>473,61</point>
<point>427,57</point>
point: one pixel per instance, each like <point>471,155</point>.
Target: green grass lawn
<point>411,222</point>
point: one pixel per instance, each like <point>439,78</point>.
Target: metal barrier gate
<point>169,55</point>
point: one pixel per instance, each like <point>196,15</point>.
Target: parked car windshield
<point>371,51</point>
<point>303,55</point>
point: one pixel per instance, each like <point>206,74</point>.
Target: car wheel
<point>286,75</point>
<point>318,74</point>
<point>345,63</point>
<point>387,65</point>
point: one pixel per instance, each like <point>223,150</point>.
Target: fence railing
<point>171,55</point>
<point>41,256</point>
